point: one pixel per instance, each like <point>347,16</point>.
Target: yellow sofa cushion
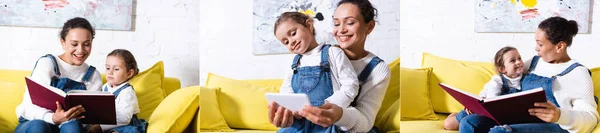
<point>390,118</point>
<point>8,118</point>
<point>243,105</point>
<point>275,83</point>
<point>212,120</point>
<point>147,86</point>
<point>176,111</point>
<point>415,94</point>
<point>465,75</point>
<point>596,80</point>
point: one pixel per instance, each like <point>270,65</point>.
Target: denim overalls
<point>315,81</point>
<point>135,125</point>
<point>531,81</point>
<point>503,91</point>
<point>65,84</point>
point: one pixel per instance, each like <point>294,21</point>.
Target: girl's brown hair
<point>499,58</point>
<point>297,17</point>
<point>128,58</point>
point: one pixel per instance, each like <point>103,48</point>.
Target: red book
<point>99,106</point>
<point>505,109</point>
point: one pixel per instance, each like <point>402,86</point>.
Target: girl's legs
<point>451,122</point>
<point>72,126</point>
<point>529,128</point>
<point>36,126</point>
<point>125,129</point>
<point>475,123</point>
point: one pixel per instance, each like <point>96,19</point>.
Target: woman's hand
<point>280,116</point>
<point>324,116</point>
<point>61,115</point>
<point>548,113</point>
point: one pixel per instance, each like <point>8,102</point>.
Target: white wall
<point>226,41</point>
<point>164,30</point>
<point>446,28</point>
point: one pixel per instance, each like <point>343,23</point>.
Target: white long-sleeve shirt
<point>574,92</point>
<point>42,74</point>
<point>126,105</point>
<point>344,78</point>
<point>362,117</point>
<point>493,87</point>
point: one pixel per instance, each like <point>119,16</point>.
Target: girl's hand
<point>549,112</point>
<point>61,115</point>
<point>324,116</point>
<point>280,116</point>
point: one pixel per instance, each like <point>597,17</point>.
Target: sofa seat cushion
<point>425,126</point>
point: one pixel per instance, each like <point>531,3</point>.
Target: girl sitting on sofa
<point>321,71</point>
<point>120,68</point>
<point>510,66</point>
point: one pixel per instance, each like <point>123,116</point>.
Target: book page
<point>513,95</point>
<point>463,92</point>
<point>86,92</point>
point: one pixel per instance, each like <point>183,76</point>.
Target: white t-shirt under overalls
<point>344,79</point>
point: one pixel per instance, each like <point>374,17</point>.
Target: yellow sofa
<point>154,88</point>
<point>425,105</point>
<point>229,105</point>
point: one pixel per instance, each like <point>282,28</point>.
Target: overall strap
<point>116,93</point>
<point>505,86</point>
<point>569,69</point>
<point>364,74</point>
<point>56,70</point>
<point>296,61</point>
<point>534,62</point>
<point>88,74</point>
<point>325,57</point>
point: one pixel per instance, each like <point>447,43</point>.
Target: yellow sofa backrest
<point>170,84</point>
<point>462,74</point>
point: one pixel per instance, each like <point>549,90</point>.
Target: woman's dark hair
<point>366,8</point>
<point>297,17</point>
<point>74,23</point>
<point>128,58</point>
<point>499,57</point>
<point>559,29</point>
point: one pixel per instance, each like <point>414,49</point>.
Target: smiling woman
<point>67,71</point>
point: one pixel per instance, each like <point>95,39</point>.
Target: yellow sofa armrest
<point>170,84</point>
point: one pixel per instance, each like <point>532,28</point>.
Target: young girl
<point>321,71</point>
<point>120,68</point>
<point>67,71</point>
<point>510,66</point>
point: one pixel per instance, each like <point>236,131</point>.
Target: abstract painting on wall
<point>525,15</point>
<point>103,14</point>
<point>266,12</point>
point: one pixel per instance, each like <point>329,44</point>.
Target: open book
<point>505,109</point>
<point>99,106</point>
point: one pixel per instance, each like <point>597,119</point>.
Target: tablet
<point>293,102</point>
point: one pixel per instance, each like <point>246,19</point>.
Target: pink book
<point>99,106</point>
<point>505,109</point>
